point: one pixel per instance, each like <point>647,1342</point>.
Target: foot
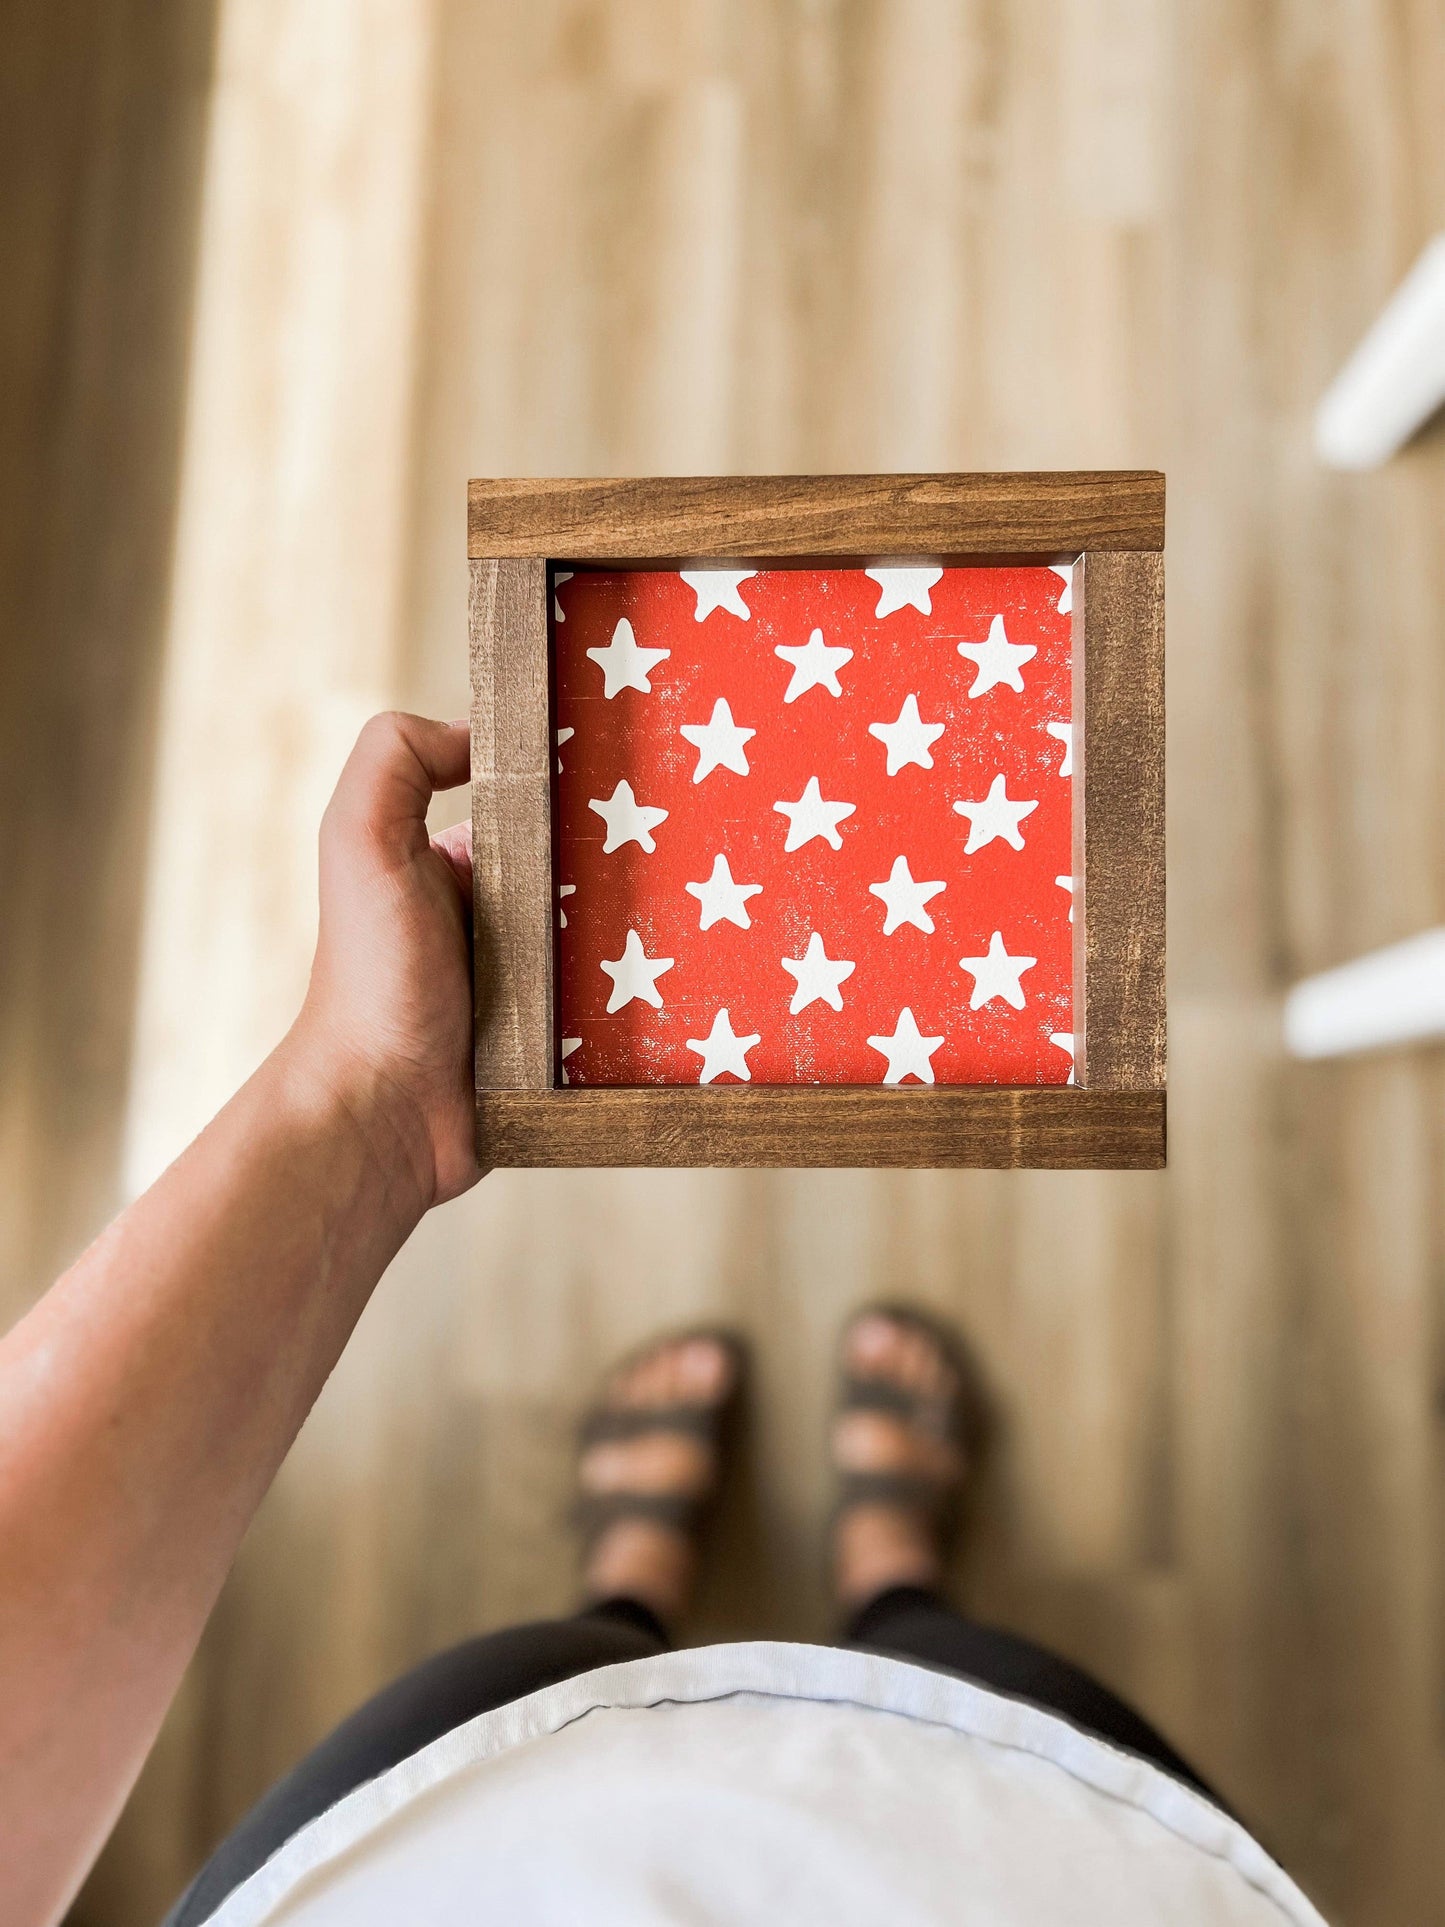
<point>650,1467</point>
<point>898,1443</point>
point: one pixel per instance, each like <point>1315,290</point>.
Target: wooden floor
<point>435,238</point>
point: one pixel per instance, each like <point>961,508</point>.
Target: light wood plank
<point>511,826</point>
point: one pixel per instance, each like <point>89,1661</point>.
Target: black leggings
<point>454,1686</point>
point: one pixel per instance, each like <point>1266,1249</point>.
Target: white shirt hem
<point>826,1674</point>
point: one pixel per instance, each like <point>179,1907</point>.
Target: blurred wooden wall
<point>416,239</point>
<point>103,108</point>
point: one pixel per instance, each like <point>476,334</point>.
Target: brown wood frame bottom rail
<point>982,1127</point>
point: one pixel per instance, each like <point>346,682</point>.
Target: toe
<point>704,1367</point>
<point>676,1371</point>
<point>871,1343</point>
<point>877,1346</point>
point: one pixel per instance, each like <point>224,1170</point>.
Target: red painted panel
<point>692,707</point>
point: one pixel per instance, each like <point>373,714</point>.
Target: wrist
<point>352,1099</point>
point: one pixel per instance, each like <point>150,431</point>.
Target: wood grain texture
<point>1119,743</point>
<point>1080,841</point>
<point>986,1128</point>
<point>656,518</point>
<point>511,825</point>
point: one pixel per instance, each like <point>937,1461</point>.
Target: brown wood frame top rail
<point>653,518</point>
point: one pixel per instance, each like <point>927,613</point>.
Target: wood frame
<point>1113,523</point>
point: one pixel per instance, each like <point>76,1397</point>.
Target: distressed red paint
<point>635,737</point>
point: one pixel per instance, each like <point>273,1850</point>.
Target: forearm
<point>147,1402</point>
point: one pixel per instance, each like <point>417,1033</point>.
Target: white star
<point>1065,572</point>
<point>564,890</point>
<point>904,898</point>
<point>723,1050</point>
<point>898,588</point>
<point>569,1044</point>
<point>997,660</point>
<point>562,575</point>
<point>813,663</point>
<point>908,1054</point>
<point>1065,1041</point>
<point>818,975</point>
<point>721,898</point>
<point>1065,733</point>
<point>909,739</point>
<point>623,664</point>
<point>1067,883</point>
<point>718,742</point>
<point>996,975</point>
<point>994,816</point>
<point>635,974</point>
<point>718,589</point>
<point>563,736</point>
<point>811,816</point>
<point>627,820</point>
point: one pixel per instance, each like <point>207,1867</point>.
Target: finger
<point>437,753</point>
<point>398,763</point>
<point>455,845</point>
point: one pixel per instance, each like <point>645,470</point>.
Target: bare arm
<point>147,1400</point>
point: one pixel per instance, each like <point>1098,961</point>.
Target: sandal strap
<point>594,1512</point>
<point>680,1511</point>
<point>876,1395</point>
<point>616,1424</point>
<point>910,1489</point>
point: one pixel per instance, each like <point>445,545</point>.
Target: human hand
<point>387,1021</point>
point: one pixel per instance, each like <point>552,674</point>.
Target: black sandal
<point>709,1422</point>
<point>958,1422</point>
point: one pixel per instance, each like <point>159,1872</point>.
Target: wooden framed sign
<point>819,820</point>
